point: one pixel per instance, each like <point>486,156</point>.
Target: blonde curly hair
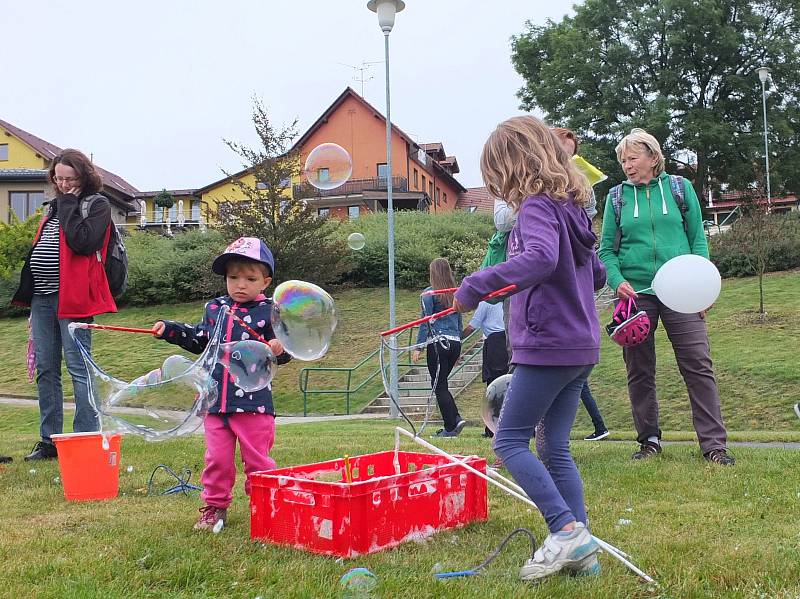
<point>523,157</point>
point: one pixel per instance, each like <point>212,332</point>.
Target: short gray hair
<point>641,139</point>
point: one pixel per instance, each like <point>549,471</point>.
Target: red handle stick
<point>108,327</point>
<point>438,291</point>
<point>255,334</point>
<point>424,319</point>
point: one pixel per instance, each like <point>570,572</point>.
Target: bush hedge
<point>728,249</point>
<point>178,269</point>
<point>420,237</point>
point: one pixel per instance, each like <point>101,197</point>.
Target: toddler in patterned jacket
<point>247,417</point>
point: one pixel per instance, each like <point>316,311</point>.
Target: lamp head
<point>386,10</point>
<point>763,74</point>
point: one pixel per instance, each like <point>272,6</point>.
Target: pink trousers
<point>256,435</point>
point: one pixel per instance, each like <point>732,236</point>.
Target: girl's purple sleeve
<point>539,230</point>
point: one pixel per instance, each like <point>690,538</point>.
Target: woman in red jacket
<point>64,280</point>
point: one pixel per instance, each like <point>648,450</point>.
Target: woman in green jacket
<point>644,226</point>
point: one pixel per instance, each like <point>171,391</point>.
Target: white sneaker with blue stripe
<point>561,551</point>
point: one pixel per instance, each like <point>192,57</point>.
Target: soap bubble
<point>174,366</point>
<point>304,318</point>
<point>328,166</point>
<point>493,401</point>
<point>358,582</point>
<point>251,363</point>
<point>166,402</point>
<point>356,241</point>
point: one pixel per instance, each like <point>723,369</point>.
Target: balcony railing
<point>350,187</point>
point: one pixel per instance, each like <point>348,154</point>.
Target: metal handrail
<point>349,390</point>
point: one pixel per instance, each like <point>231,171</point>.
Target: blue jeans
<point>547,395</point>
<point>50,338</point>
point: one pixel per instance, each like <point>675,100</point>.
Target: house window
<point>3,151</point>
<point>173,213</point>
<point>430,189</point>
<point>196,211</point>
<point>444,198</point>
<point>424,184</point>
<point>324,212</point>
<point>323,175</point>
<point>472,209</point>
<point>352,212</point>
<point>24,203</point>
<point>416,179</point>
<point>438,195</point>
<point>383,171</point>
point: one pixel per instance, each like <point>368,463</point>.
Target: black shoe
<point>720,456</point>
<point>42,451</point>
<point>646,450</point>
<point>460,426</point>
<point>597,435</point>
<point>6,459</point>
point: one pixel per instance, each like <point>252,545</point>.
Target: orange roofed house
<point>422,174</point>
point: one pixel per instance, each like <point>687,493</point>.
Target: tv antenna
<point>361,71</point>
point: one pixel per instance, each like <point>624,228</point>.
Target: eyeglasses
<point>65,179</point>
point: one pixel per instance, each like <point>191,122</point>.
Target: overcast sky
<point>151,88</point>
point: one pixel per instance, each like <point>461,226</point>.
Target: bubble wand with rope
<point>493,477</point>
<point>434,339</point>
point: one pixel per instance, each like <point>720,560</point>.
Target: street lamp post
<point>386,10</point>
<point>763,75</point>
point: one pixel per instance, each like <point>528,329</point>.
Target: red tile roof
<point>48,151</point>
<point>478,197</point>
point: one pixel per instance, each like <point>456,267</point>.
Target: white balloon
<point>687,283</point>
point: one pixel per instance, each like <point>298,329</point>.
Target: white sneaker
<point>588,566</point>
<point>560,551</point>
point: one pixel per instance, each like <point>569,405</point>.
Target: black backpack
<point>116,264</point>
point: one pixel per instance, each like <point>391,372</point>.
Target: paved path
<point>281,420</point>
<point>31,403</point>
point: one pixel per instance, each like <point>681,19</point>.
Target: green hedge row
<point>732,251</point>
<point>178,269</point>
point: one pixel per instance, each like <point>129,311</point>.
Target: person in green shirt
<point>651,229</point>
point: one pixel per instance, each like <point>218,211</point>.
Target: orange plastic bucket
<point>88,470</point>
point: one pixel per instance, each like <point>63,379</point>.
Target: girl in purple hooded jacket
<point>555,336</point>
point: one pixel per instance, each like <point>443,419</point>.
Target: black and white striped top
<point>44,259</point>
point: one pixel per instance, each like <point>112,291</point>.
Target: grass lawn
<point>756,363</point>
<point>698,529</point>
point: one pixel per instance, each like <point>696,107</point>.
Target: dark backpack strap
<point>86,204</point>
<point>676,184</point>
<point>617,203</point>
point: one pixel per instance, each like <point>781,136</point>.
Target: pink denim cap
<point>251,248</point>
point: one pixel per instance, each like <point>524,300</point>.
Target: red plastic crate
<point>308,508</point>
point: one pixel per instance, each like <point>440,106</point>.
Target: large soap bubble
<point>251,364</point>
<point>303,318</point>
<point>328,166</point>
<point>493,401</point>
<point>687,283</point>
<point>166,402</point>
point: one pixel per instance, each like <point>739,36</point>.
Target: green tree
<point>164,199</point>
<point>303,244</point>
<point>682,69</point>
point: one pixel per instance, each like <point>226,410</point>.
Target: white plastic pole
<point>610,549</point>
